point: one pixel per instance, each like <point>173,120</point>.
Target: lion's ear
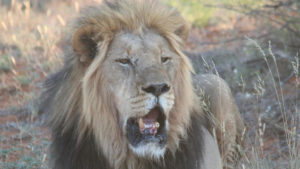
<point>183,32</point>
<point>84,43</point>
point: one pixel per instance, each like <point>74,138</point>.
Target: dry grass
<point>289,150</point>
<point>30,45</point>
<point>29,51</point>
<point>269,105</point>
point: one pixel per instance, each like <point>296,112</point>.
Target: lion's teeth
<point>147,127</point>
<point>141,124</point>
<point>157,125</point>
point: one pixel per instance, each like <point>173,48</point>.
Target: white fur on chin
<point>149,150</point>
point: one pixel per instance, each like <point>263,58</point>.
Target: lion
<point>125,98</point>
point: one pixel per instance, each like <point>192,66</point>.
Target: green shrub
<point>194,11</point>
<point>5,63</point>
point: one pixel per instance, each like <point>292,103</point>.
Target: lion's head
<point>129,81</point>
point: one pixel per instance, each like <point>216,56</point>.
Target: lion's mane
<point>82,111</point>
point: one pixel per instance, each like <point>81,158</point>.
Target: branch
<point>279,4</point>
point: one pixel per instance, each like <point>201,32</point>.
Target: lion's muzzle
<point>147,126</point>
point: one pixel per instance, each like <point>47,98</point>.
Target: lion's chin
<point>147,135</point>
<point>149,150</point>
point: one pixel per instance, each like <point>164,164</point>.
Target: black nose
<point>157,89</point>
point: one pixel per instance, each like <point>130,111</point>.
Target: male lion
<point>125,99</point>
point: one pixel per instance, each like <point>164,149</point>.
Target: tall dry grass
<point>289,152</point>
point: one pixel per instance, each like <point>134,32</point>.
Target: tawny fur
<point>223,115</point>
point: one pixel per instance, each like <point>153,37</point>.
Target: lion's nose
<point>157,89</point>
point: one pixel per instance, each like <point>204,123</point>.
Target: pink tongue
<point>151,117</point>
<point>150,121</point>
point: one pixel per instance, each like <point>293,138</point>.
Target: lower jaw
<point>159,140</point>
<point>149,151</point>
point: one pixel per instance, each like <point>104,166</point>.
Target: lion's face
<point>140,72</point>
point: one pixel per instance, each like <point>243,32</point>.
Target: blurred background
<point>253,44</point>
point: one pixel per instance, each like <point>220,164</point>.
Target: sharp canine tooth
<point>141,123</point>
<point>156,124</point>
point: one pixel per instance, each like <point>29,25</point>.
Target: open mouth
<point>147,129</point>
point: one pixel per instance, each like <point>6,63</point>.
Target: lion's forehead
<point>148,44</point>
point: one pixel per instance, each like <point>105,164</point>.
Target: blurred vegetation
<point>30,154</point>
<point>194,11</point>
<point>279,20</point>
<point>201,12</point>
<point>5,63</point>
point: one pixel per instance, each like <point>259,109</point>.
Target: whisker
<point>137,107</point>
<point>138,95</point>
<point>138,101</point>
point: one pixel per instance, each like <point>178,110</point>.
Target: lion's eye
<point>165,59</point>
<point>123,61</point>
